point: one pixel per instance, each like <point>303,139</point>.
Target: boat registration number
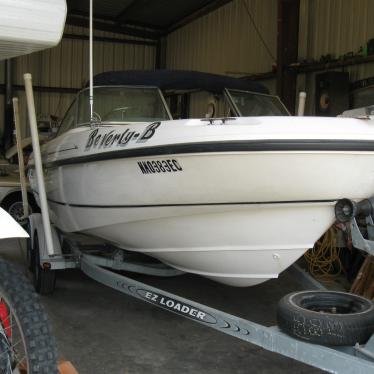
<point>160,166</point>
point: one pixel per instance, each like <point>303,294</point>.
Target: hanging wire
<point>257,30</point>
<point>58,107</point>
<point>324,258</point>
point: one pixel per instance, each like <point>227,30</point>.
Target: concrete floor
<point>102,331</point>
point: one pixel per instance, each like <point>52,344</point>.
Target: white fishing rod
<point>21,165</point>
<point>38,164</point>
<point>91,64</point>
<point>301,106</point>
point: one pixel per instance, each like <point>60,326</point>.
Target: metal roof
<point>129,16</point>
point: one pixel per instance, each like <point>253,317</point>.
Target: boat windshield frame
<point>167,110</point>
<point>235,108</point>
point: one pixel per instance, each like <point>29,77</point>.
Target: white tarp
<point>30,25</point>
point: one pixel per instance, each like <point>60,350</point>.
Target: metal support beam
<point>208,8</point>
<point>78,13</point>
<point>335,64</point>
<point>287,50</point>
<point>80,21</point>
<point>161,53</point>
<point>309,67</point>
<point>124,10</point>
<point>64,90</point>
<point>110,40</point>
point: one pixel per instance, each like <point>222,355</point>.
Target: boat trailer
<point>52,251</point>
<point>342,360</point>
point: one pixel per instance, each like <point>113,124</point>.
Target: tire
<point>30,253</point>
<point>326,317</point>
<point>14,206</point>
<point>37,354</point>
<point>44,279</point>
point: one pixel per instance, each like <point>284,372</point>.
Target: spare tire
<point>326,317</point>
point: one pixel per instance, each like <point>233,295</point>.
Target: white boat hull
<point>239,218</point>
<point>240,245</point>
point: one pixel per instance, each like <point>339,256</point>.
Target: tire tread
<point>40,344</point>
<point>325,328</point>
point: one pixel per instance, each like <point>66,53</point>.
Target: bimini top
<point>177,80</point>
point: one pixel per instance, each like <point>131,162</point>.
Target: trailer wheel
<point>44,278</point>
<point>26,344</point>
<point>14,206</point>
<point>326,317</point>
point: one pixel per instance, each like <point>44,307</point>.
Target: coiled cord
<point>324,258</point>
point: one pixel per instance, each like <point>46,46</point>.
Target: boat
<point>30,26</point>
<point>236,198</point>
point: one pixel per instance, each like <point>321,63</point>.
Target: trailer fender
<point>36,226</point>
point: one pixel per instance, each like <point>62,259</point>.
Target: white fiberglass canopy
<point>27,26</point>
<point>9,227</point>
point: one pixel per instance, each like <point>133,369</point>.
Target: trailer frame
<point>358,359</point>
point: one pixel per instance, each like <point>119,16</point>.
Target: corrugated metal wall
<point>225,41</point>
<point>335,27</point>
<point>67,66</point>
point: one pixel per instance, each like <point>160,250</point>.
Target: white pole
<point>38,163</point>
<point>21,165</point>
<point>301,107</point>
<point>91,64</point>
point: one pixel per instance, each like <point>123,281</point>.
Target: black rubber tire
<point>44,279</point>
<point>16,198</point>
<point>326,317</point>
<point>39,343</point>
<point>5,354</point>
<point>30,253</point>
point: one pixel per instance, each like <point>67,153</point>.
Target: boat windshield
<point>123,104</point>
<point>248,104</point>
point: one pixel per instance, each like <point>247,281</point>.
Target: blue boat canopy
<point>167,80</point>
